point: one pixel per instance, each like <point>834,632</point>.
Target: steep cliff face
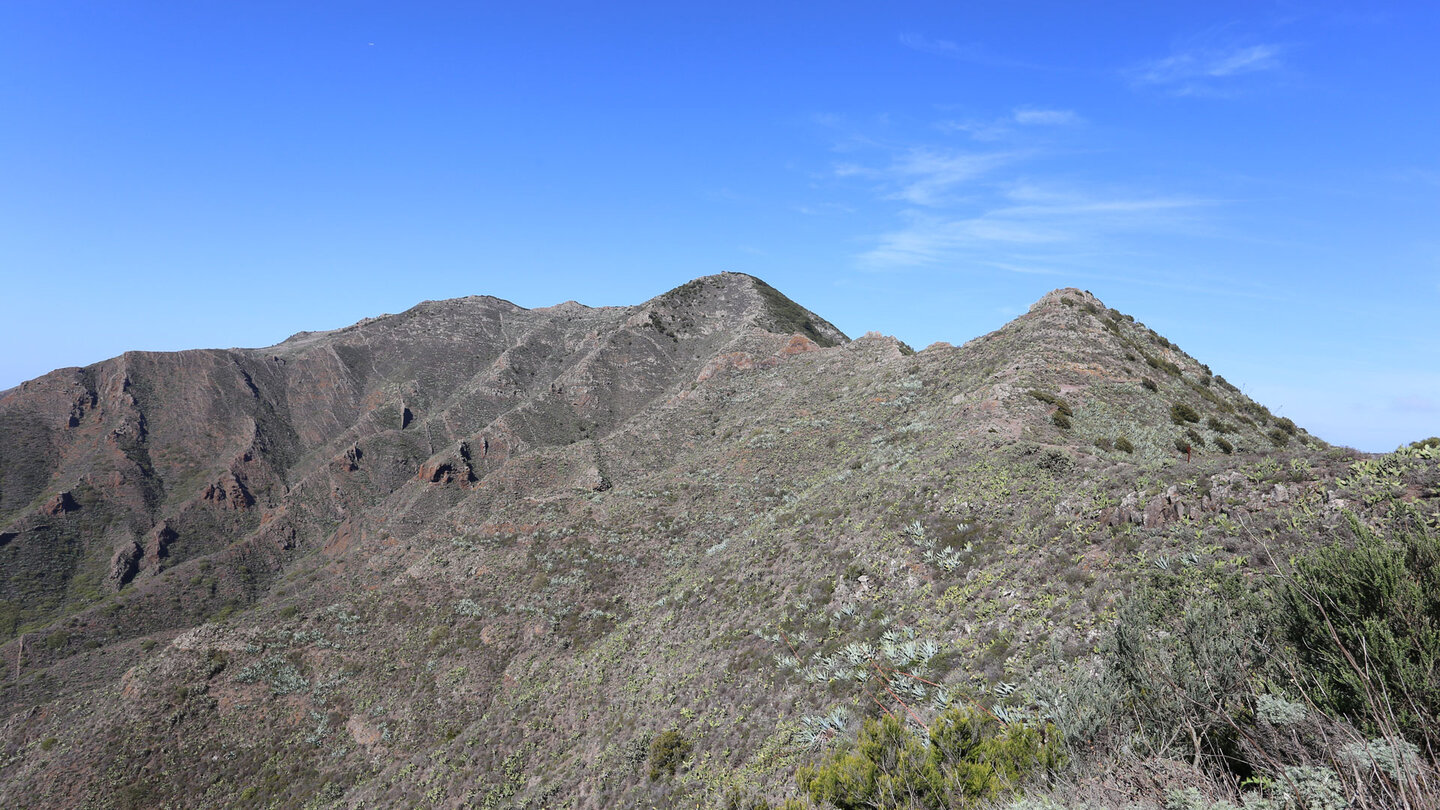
<point>478,553</point>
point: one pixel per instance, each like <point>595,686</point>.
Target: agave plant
<point>857,653</point>
<point>929,648</point>
<point>816,730</point>
<point>940,699</point>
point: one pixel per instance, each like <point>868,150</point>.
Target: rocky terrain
<point>479,555</point>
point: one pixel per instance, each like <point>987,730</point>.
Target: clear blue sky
<point>1260,182</point>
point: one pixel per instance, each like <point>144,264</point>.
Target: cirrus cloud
<point>1206,69</point>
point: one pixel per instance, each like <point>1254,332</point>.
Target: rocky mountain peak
<point>1073,295</point>
<point>740,298</point>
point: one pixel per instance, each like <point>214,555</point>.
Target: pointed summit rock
<point>746,299</point>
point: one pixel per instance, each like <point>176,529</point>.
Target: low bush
<point>965,758</point>
<point>1149,384</point>
<point>1316,690</point>
<point>1181,413</point>
<point>1218,426</point>
<point>1061,406</point>
<point>1124,445</point>
<point>1380,600</point>
<point>1163,364</point>
<point>668,751</point>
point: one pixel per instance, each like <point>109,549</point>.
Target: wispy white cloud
<point>926,176</point>
<point>1034,116</point>
<point>854,170</point>
<point>977,130</point>
<point>1206,68</point>
<point>995,208</point>
<point>1027,228</point>
<point>825,209</point>
<point>973,52</point>
<point>931,177</point>
<point>1006,127</point>
<point>940,47</point>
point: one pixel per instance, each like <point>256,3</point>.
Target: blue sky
<point>1259,182</point>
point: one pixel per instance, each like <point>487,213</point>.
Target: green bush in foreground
<point>967,757</point>
<point>667,751</point>
<point>1317,692</point>
<point>1180,413</point>
<point>1380,598</point>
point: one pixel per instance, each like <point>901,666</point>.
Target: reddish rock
<point>157,545</point>
<point>449,468</point>
<point>124,564</point>
<point>229,493</point>
<point>734,361</point>
<point>60,504</point>
<point>799,344</point>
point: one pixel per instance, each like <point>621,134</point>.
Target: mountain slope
<point>479,554</point>
<point>120,470</point>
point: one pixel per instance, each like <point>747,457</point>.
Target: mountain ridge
<point>475,516</point>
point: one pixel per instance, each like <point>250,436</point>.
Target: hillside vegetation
<point>704,551</point>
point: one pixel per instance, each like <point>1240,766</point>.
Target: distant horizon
<point>1256,182</point>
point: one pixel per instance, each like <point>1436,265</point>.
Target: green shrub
<point>1286,425</point>
<point>1149,384</point>
<point>1225,447</point>
<point>1433,441</point>
<point>1196,667</point>
<point>1104,443</point>
<point>1218,426</point>
<point>1182,445</point>
<point>1195,438</point>
<point>1180,413</point>
<point>1123,445</point>
<point>1279,437</point>
<point>1380,599</point>
<point>1164,365</point>
<point>1060,404</point>
<point>667,752</point>
<point>1061,420</point>
<point>967,757</point>
<point>1175,668</point>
